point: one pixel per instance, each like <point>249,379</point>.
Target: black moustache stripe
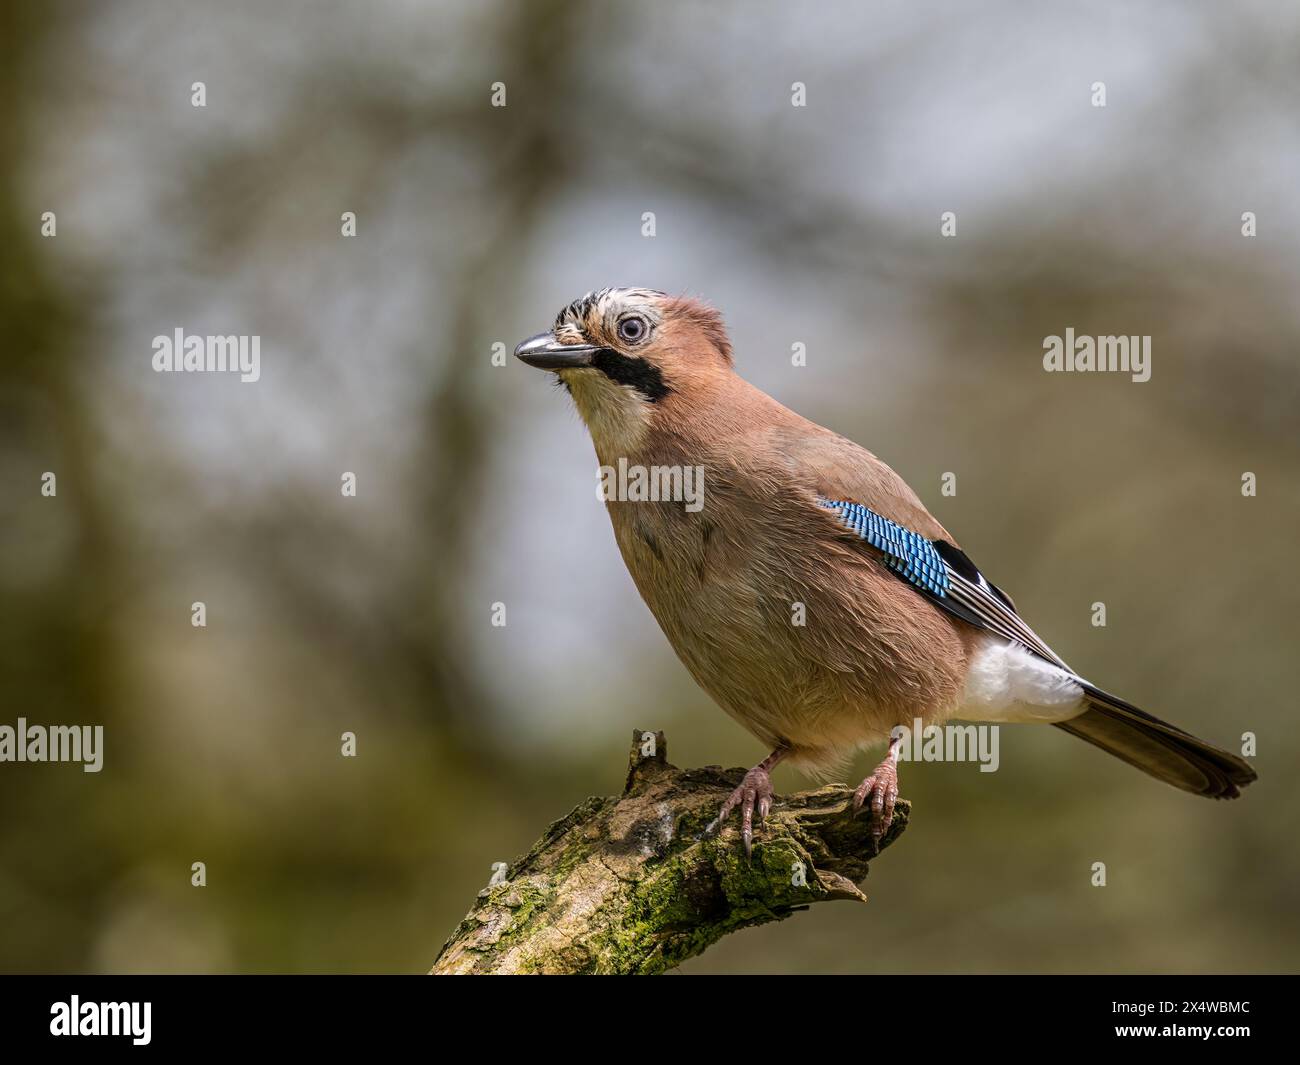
<point>637,372</point>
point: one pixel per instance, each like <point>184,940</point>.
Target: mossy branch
<point>629,884</point>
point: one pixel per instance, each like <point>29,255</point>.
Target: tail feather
<point>1158,748</point>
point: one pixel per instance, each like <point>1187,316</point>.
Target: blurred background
<point>476,482</point>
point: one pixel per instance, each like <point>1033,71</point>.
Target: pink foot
<point>755,789</point>
<point>882,787</point>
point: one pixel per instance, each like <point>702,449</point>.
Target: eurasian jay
<point>897,622</point>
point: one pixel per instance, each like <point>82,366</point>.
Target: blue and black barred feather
<point>911,556</point>
<point>944,574</point>
<point>941,572</point>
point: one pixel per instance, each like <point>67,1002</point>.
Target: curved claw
<point>754,790</point>
<point>882,788</point>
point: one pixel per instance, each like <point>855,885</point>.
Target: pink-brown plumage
<point>728,582</point>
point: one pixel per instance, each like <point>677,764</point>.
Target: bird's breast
<point>801,641</point>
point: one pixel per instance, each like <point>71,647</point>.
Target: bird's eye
<point>632,329</point>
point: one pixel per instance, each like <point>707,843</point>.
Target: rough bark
<point>629,884</point>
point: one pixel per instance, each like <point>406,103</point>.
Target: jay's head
<point>631,357</point>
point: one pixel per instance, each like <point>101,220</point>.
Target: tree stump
<point>631,884</point>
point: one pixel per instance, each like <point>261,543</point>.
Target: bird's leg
<point>882,786</point>
<point>756,787</point>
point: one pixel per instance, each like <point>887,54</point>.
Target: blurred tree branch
<point>629,885</point>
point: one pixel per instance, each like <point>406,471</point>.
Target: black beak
<point>546,353</point>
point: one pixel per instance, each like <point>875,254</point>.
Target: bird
<point>798,523</point>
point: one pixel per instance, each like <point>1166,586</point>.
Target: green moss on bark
<point>630,884</point>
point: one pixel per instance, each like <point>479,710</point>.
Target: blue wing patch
<point>911,556</point>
